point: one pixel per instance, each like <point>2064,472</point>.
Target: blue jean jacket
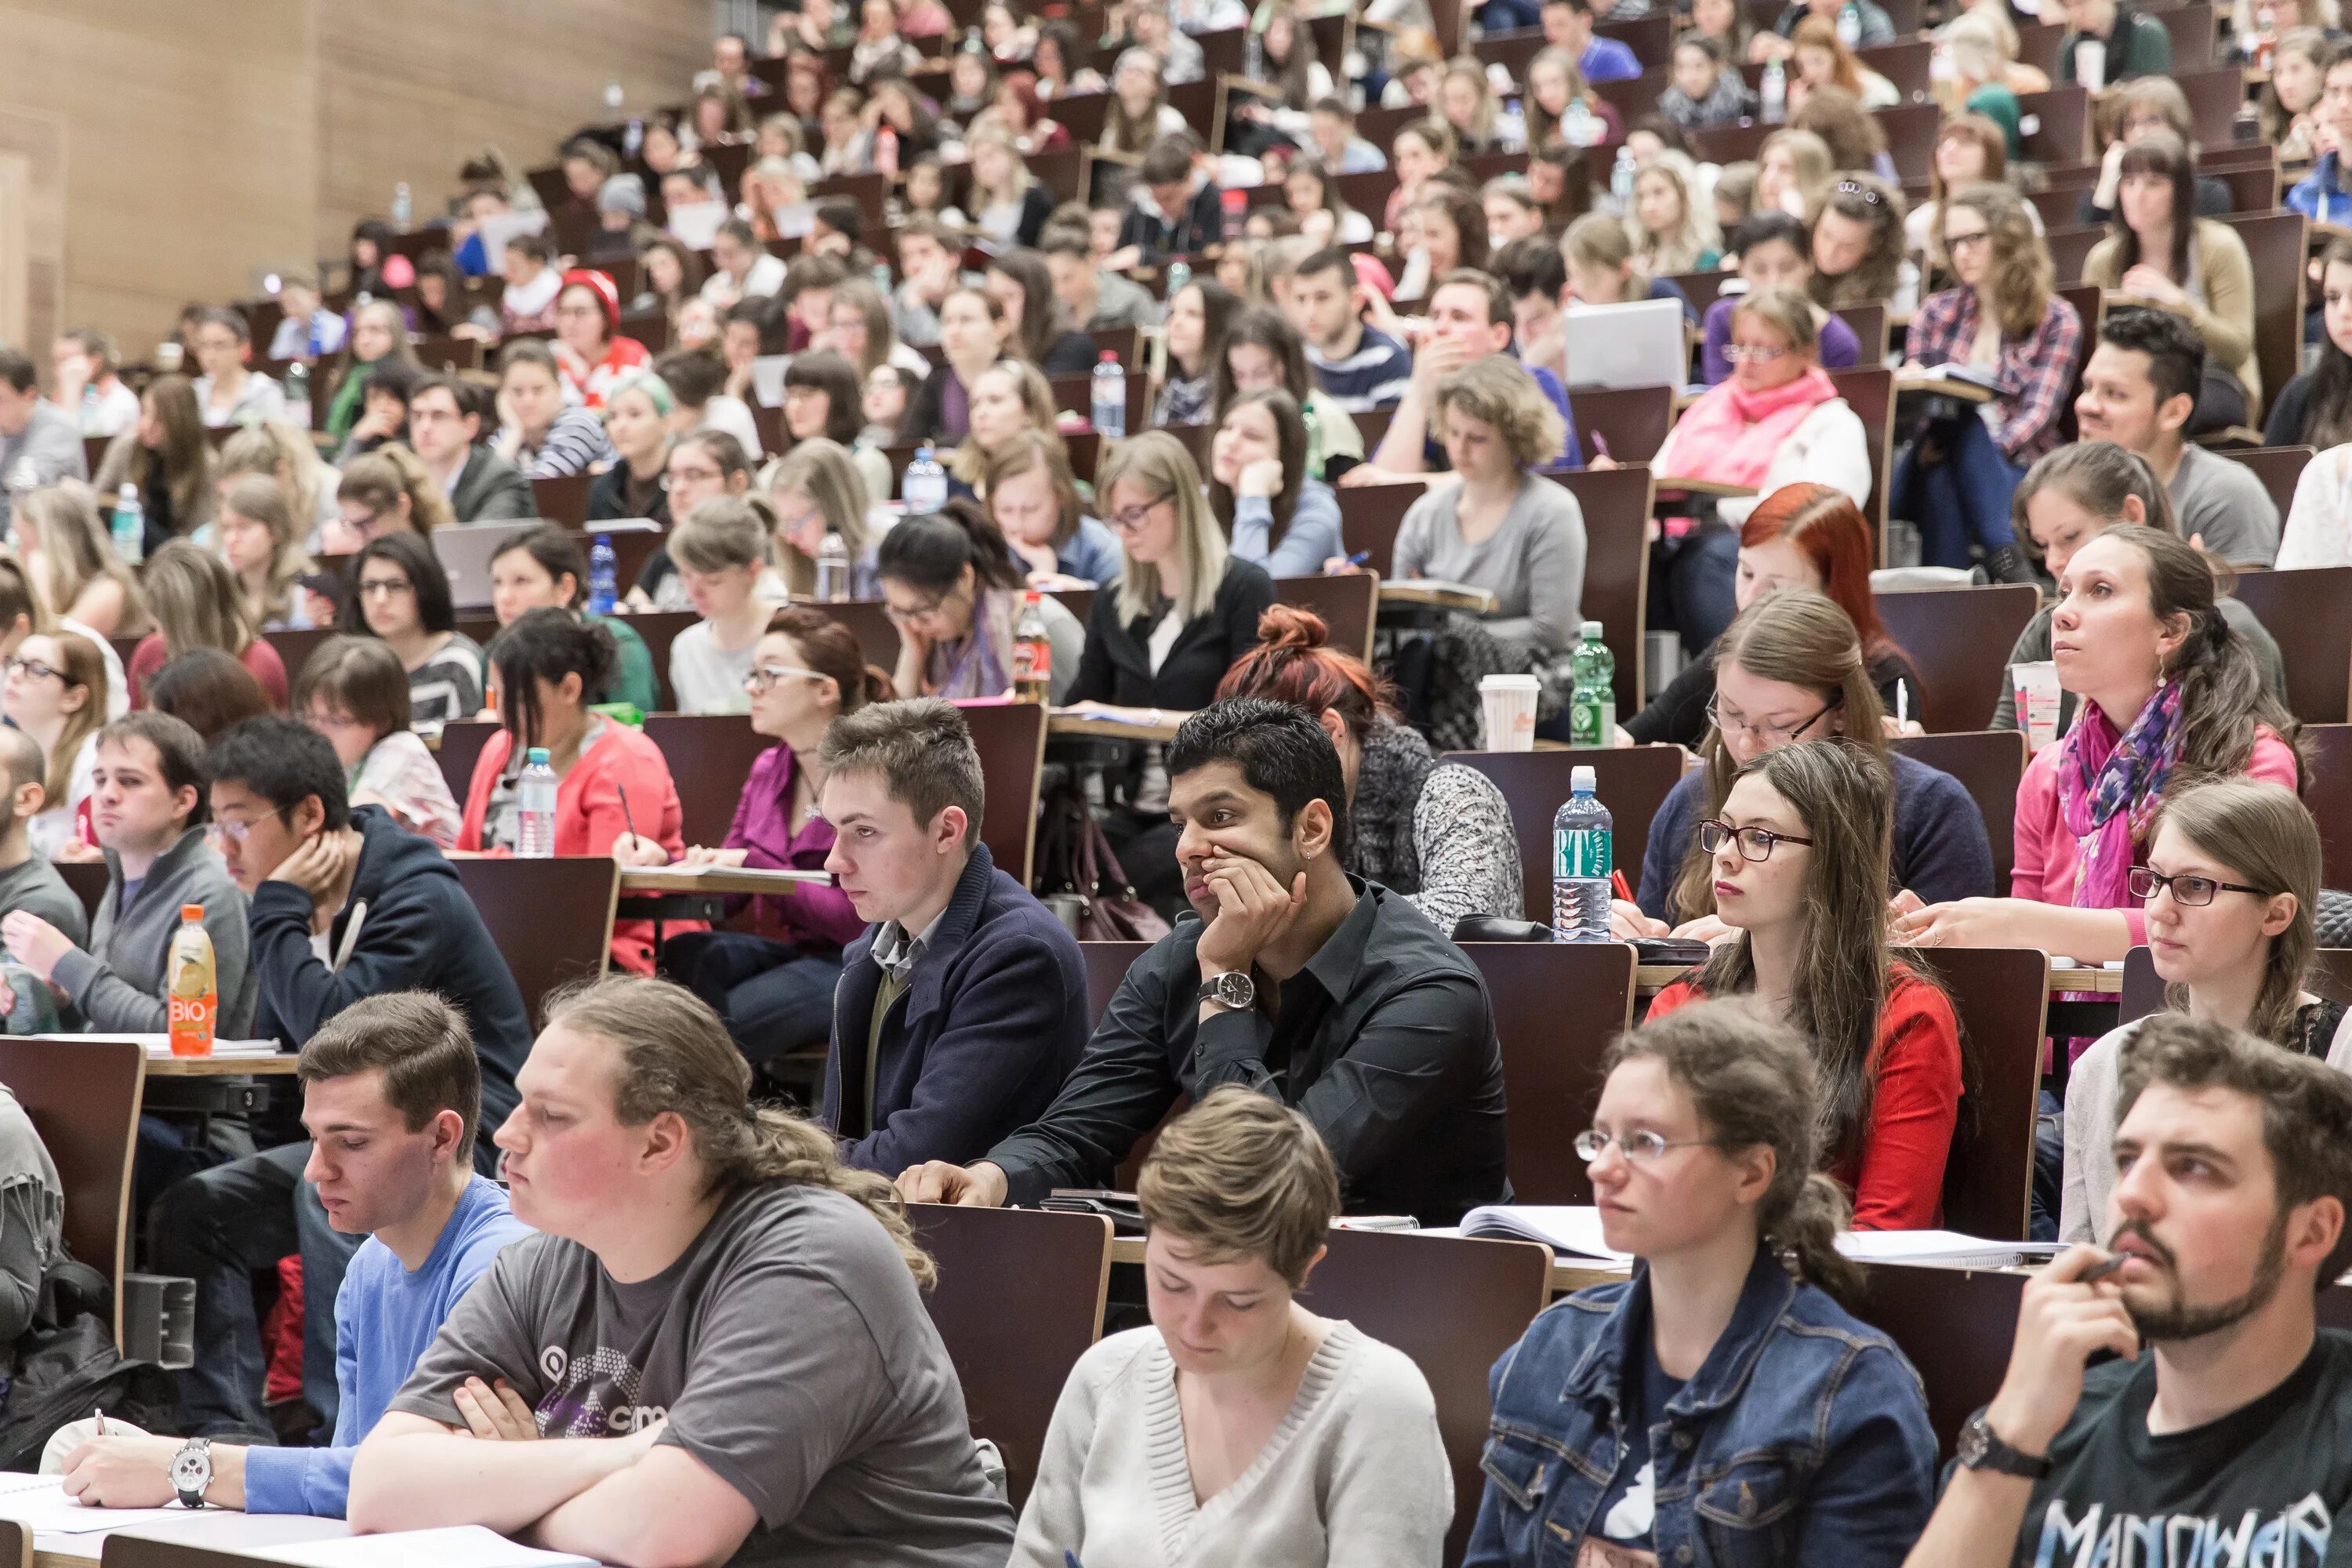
<point>1803,1440</point>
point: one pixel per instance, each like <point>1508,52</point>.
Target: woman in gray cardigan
<point>1240,1427</point>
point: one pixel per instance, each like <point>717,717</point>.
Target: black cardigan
<point>1116,665</point>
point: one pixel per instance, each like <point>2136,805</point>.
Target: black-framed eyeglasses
<point>1640,1146</point>
<point>1755,843</point>
<point>1856,188</point>
<point>1956,243</point>
<point>1770,733</point>
<point>17,665</point>
<point>2189,892</point>
<point>1131,518</point>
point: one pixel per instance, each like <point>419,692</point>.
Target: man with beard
<point>2232,1440</point>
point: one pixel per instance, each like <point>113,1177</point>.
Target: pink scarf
<point>1731,435</point>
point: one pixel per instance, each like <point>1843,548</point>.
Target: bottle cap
<point>1592,631</point>
<point>193,912</point>
<point>128,492</point>
<point>1581,780</point>
<point>537,754</point>
<point>1110,356</point>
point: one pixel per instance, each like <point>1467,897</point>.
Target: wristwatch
<point>192,1471</point>
<point>1981,1448</point>
<point>1233,989</point>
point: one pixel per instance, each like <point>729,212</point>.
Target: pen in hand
<point>627,819</point>
<point>1358,559</point>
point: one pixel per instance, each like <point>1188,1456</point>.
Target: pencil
<point>626,817</point>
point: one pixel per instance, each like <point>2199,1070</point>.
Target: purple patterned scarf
<point>2108,788</point>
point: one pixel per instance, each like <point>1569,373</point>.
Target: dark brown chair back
<point>2278,468</point>
<point>1634,420</point>
<point>1346,604</point>
<point>295,649</point>
<point>87,878</point>
<point>710,757</point>
<point>1616,504</point>
<point>1955,1325</point>
<point>2303,610</point>
<point>1551,1055</point>
<point>1369,516</point>
<point>1010,740</point>
<point>1632,781</point>
<point>1455,1311</point>
<point>552,920</point>
<point>458,749</point>
<point>659,628</point>
<point>2000,995</point>
<point>869,623</point>
<point>2327,790</point>
<point>82,1096</point>
<point>563,499</point>
<point>1959,640</point>
<point>2276,245</point>
<point>1013,1364</point>
<point>2061,122</point>
<point>1989,763</point>
<point>1869,391</point>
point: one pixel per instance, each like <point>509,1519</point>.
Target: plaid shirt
<point>2034,372</point>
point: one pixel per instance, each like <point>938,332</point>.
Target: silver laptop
<point>1639,344</point>
<point>466,550</point>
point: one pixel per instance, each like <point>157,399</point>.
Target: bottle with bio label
<point>926,484</point>
<point>535,808</point>
<point>129,525</point>
<point>603,576</point>
<point>1592,696</point>
<point>1580,833</point>
<point>191,991</point>
<point>1033,653</point>
<point>1110,397</point>
<point>832,570</point>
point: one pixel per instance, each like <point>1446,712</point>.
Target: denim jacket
<point>1803,1440</point>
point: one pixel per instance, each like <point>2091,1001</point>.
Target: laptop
<point>466,550</point>
<point>1638,344</point>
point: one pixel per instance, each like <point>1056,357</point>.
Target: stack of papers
<point>1576,1232</point>
<point>160,1046</point>
<point>39,1503</point>
<point>460,1546</point>
<point>1571,1231</point>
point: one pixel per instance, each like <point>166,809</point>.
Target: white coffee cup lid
<point>1508,683</point>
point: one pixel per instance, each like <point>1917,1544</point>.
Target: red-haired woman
<point>1800,536</point>
<point>1435,831</point>
<point>588,341</point>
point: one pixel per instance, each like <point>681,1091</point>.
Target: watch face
<point>1973,1443</point>
<point>192,1470</point>
<point>1234,989</point>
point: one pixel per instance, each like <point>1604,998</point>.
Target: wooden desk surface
<point>1649,979</point>
<point>1567,1274</point>
<point>717,879</point>
<point>279,1066</point>
<point>1435,595</point>
<point>1107,729</point>
<point>1670,484</point>
<point>1912,381</point>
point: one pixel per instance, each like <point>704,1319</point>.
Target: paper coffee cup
<point>2035,688</point>
<point>167,357</point>
<point>1509,704</point>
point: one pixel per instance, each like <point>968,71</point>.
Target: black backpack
<point>66,1368</point>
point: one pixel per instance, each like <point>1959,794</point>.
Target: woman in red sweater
<point>1801,849</point>
<point>610,777</point>
<point>197,602</point>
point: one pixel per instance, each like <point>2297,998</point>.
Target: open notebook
<point>1575,1231</point>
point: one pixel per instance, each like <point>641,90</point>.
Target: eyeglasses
<point>1956,243</point>
<point>235,831</point>
<point>1856,188</point>
<point>1131,518</point>
<point>902,615</point>
<point>1755,843</point>
<point>1773,734</point>
<point>385,587</point>
<point>33,668</point>
<point>760,677</point>
<point>1739,353</point>
<point>2191,893</point>
<point>1640,1147</point>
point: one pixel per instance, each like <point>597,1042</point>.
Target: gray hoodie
<point>118,984</point>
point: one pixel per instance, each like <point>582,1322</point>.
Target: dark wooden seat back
<point>1633,420</point>
<point>295,649</point>
<point>82,1096</point>
<point>457,751</point>
<point>1616,505</point>
<point>2327,790</point>
<point>1010,740</point>
<point>2305,612</point>
<point>1369,516</point>
<point>87,878</point>
<point>563,499</point>
<point>1869,391</point>
<point>2279,468</point>
<point>552,920</point>
<point>1551,1053</point>
<point>1632,781</point>
<point>2276,245</point>
<point>1346,604</point>
<point>1959,640</point>
<point>869,622</point>
<point>709,756</point>
<point>1989,763</point>
<point>1018,1299</point>
<point>2000,996</point>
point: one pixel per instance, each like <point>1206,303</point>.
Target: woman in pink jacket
<point>611,779</point>
<point>2171,696</point>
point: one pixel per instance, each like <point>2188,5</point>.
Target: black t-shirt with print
<point>2265,1484</point>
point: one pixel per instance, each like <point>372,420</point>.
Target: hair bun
<point>1287,627</point>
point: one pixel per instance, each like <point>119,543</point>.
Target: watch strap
<point>1991,1453</point>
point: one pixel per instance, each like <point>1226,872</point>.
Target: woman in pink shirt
<point>2171,696</point>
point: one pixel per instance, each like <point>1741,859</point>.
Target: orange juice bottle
<point>190,987</point>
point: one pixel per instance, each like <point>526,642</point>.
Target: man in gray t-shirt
<point>2222,502</point>
<point>742,1369</point>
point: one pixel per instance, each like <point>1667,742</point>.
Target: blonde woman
<point>721,554</point>
<point>386,492</point>
<point>1793,174</point>
<point>1006,203</point>
<point>1470,105</point>
<point>262,543</point>
<point>1671,231</point>
<point>1009,398</point>
<point>198,602</point>
<point>168,458</point>
<point>1158,641</point>
<point>54,691</point>
<point>815,489</point>
<point>284,454</point>
<point>71,562</point>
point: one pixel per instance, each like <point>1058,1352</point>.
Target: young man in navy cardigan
<point>963,1006</point>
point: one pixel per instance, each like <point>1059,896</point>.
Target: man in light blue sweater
<point>391,1096</point>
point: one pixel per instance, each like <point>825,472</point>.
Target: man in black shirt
<point>2230,1441</point>
<point>1335,996</point>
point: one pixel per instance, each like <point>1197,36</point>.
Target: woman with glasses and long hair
<point>1797,859</point>
<point>774,984</point>
<point>1790,668</point>
<point>54,692</point>
<point>2171,696</point>
<point>353,690</point>
<point>1033,497</point>
<point>2230,887</point>
<point>1734,1332</point>
<point>1162,636</point>
<point>952,590</point>
<point>401,593</point>
<point>816,490</point>
<point>2004,321</point>
<point>705,464</point>
<point>388,492</point>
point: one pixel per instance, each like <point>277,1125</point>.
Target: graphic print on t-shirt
<point>2296,1535</point>
<point>1628,1521</point>
<point>593,1396</point>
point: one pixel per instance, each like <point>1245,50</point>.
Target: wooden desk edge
<point>1650,978</point>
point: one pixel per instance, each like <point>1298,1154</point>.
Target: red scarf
<point>1731,435</point>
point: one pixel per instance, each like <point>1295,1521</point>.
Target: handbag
<point>1075,864</point>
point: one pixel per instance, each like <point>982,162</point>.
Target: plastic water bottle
<point>615,96</point>
<point>1622,177</point>
<point>832,570</point>
<point>1033,652</point>
<point>1253,55</point>
<point>1110,397</point>
<point>882,279</point>
<point>1849,24</point>
<point>1577,128</point>
<point>402,206</point>
<point>298,394</point>
<point>535,808</point>
<point>192,989</point>
<point>603,576</point>
<point>1179,273</point>
<point>1593,700</point>
<point>23,480</point>
<point>1776,92</point>
<point>129,525</point>
<point>1580,833</point>
<point>926,484</point>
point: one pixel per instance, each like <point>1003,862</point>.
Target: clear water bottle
<point>1622,177</point>
<point>23,480</point>
<point>535,807</point>
<point>832,570</point>
<point>1110,397</point>
<point>613,95</point>
<point>633,137</point>
<point>1577,128</point>
<point>298,394</point>
<point>1180,274</point>
<point>1593,700</point>
<point>1776,92</point>
<point>1849,24</point>
<point>882,279</point>
<point>926,484</point>
<point>129,525</point>
<point>603,576</point>
<point>403,206</point>
<point>1253,55</point>
<point>1580,833</point>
